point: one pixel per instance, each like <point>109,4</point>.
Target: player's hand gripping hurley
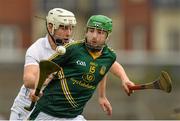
<point>46,68</point>
<point>162,83</point>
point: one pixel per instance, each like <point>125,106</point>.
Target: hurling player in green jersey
<point>83,66</point>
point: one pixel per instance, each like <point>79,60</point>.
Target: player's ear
<point>108,35</point>
<point>50,26</point>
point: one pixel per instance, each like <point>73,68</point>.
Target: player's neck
<point>52,44</point>
<point>95,54</point>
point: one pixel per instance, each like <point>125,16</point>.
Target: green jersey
<point>66,95</point>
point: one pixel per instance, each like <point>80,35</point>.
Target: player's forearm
<point>122,74</point>
<point>31,76</point>
<point>102,87</point>
<point>119,71</point>
<point>29,81</point>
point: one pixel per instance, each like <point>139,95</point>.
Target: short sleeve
<point>31,57</point>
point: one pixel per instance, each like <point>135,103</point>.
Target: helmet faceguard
<point>57,17</point>
<point>100,22</point>
<point>94,48</point>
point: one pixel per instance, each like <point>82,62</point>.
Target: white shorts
<point>17,110</point>
<point>44,116</point>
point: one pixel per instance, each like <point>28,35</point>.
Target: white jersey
<point>40,50</point>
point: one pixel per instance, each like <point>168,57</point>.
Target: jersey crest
<point>102,70</point>
<point>88,77</point>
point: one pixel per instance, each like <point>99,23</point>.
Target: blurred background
<point>146,38</point>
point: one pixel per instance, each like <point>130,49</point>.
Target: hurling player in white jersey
<point>60,23</point>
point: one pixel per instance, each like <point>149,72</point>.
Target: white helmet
<point>59,16</point>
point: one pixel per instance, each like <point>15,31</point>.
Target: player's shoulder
<point>111,51</point>
<point>37,45</point>
<point>39,42</point>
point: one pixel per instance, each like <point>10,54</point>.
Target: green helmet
<point>100,22</point>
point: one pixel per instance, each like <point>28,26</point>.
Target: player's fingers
<point>108,109</point>
<point>127,90</point>
<point>34,98</point>
<point>103,107</point>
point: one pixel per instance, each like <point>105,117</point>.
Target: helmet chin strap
<point>55,39</point>
<point>93,48</point>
